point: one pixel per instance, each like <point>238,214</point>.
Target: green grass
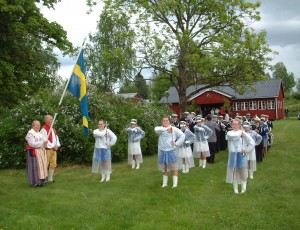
<point>134,199</point>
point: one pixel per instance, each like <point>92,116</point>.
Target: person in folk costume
<point>104,139</point>
<point>135,134</point>
<point>186,160</point>
<point>240,144</point>
<point>201,148</point>
<point>175,121</point>
<point>52,146</point>
<point>192,122</point>
<point>185,117</point>
<point>252,154</point>
<point>263,131</point>
<point>259,147</point>
<point>248,117</point>
<point>170,137</point>
<point>36,158</point>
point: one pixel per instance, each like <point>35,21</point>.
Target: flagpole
<point>63,95</point>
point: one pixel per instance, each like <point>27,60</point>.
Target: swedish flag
<point>77,86</point>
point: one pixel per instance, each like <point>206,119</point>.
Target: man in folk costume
<point>252,154</point>
<point>175,121</point>
<point>259,147</point>
<point>170,137</point>
<point>36,159</point>
<point>52,145</point>
<point>270,126</point>
<point>135,134</point>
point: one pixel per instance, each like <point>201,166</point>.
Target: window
<point>252,105</point>
<point>244,106</point>
<point>261,105</point>
<point>236,106</point>
<point>271,105</point>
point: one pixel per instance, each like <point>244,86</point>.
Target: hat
<point>256,119</point>
<point>199,119</point>
<point>182,123</point>
<point>133,121</point>
<point>246,124</point>
<point>220,116</point>
<point>247,114</point>
<point>186,112</point>
<point>263,115</point>
<point>262,119</point>
<point>266,115</point>
<point>174,115</point>
<point>193,113</point>
<point>215,115</point>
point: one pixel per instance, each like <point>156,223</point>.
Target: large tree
<point>110,51</point>
<point>288,79</point>
<point>199,41</point>
<point>27,61</point>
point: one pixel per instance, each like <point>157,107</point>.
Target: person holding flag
<point>52,145</point>
<point>104,139</point>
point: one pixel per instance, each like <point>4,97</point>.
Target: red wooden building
<point>267,98</point>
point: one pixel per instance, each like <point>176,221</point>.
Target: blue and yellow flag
<point>77,86</point>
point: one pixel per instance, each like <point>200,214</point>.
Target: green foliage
<point>76,148</point>
<point>27,61</point>
<point>288,79</point>
<point>296,95</point>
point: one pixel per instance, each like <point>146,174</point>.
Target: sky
<point>280,18</point>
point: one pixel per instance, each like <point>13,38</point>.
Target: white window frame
<point>261,105</point>
<point>271,105</point>
<point>236,106</point>
<point>244,106</point>
<point>252,105</point>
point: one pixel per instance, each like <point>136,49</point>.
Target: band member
<point>239,145</point>
<point>169,139</point>
<point>201,148</point>
<point>251,156</point>
<point>104,139</point>
<point>186,160</point>
<point>135,134</point>
<point>175,121</point>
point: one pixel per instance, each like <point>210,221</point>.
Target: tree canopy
<point>27,40</point>
<point>198,41</point>
<point>288,79</point>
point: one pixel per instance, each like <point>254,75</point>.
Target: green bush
<point>76,148</point>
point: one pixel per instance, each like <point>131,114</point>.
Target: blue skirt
<point>237,160</point>
<point>101,155</point>
<point>167,157</point>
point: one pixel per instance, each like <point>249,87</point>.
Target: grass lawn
<point>134,199</point>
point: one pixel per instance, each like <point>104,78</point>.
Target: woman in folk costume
<point>201,148</point>
<point>104,139</point>
<point>169,138</point>
<point>252,154</point>
<point>36,158</point>
<point>135,134</point>
<point>240,144</point>
<point>186,160</point>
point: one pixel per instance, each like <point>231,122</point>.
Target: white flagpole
<point>63,95</point>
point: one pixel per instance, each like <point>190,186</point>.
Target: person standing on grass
<point>251,156</point>
<point>240,144</point>
<point>263,131</point>
<point>36,158</point>
<point>52,146</point>
<point>212,140</point>
<point>201,148</point>
<point>186,160</point>
<point>170,137</point>
<point>135,134</point>
<point>104,139</point>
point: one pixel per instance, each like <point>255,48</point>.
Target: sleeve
<point>258,138</point>
<point>250,144</point>
<point>159,129</point>
<point>96,133</point>
<point>31,141</point>
<point>208,131</point>
<point>180,137</point>
<point>141,134</point>
<point>112,137</point>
